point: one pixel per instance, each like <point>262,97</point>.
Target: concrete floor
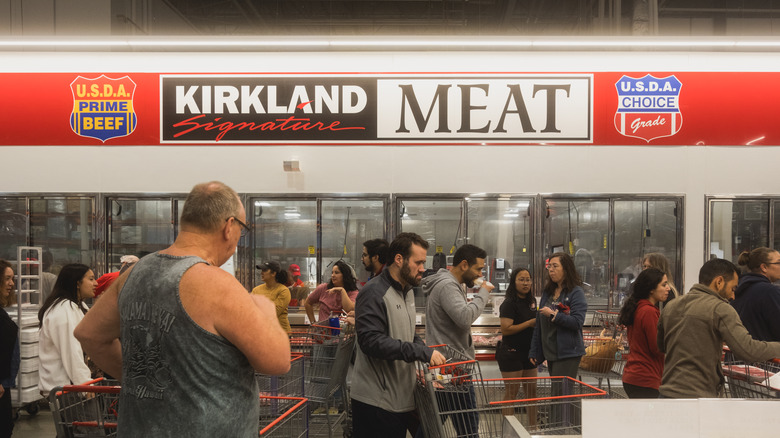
<point>34,426</point>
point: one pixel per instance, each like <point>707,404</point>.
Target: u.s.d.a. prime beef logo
<point>648,107</point>
<point>103,107</point>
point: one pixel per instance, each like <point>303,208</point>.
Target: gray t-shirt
<point>178,379</point>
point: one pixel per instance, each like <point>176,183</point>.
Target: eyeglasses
<point>244,227</point>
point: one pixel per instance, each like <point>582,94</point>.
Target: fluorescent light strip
<point>399,43</point>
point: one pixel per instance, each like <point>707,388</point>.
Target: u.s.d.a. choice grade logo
<point>648,107</point>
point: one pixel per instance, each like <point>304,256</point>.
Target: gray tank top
<point>178,380</point>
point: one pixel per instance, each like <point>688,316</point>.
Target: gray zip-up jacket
<point>691,332</point>
<point>384,373</point>
<point>448,314</point>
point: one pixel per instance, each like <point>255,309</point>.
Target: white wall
<point>694,171</point>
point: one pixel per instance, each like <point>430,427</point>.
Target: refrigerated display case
<point>139,225</point>
<point>741,223</point>
<point>502,225</point>
<point>313,232</point>
<point>608,237</point>
<point>63,225</point>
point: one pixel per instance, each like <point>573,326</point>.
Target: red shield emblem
<point>103,107</point>
<point>648,107</point>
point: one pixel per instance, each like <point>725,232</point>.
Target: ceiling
<point>451,17</point>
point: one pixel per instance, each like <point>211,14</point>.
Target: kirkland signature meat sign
<point>422,108</point>
<point>262,108</point>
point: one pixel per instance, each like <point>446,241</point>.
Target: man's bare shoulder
<point>203,278</point>
<point>212,297</point>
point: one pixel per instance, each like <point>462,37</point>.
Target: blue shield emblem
<point>103,107</point>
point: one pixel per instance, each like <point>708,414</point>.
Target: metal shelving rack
<point>28,284</point>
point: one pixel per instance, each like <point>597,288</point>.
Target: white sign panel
<point>533,108</point>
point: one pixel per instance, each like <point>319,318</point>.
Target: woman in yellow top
<point>273,287</point>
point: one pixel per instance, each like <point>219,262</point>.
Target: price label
<point>312,250</point>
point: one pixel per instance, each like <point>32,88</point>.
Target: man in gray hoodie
<point>448,318</point>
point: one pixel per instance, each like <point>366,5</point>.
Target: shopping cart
<point>454,401</point>
<point>88,410</point>
<point>604,323</point>
<point>606,351</point>
<point>751,380</point>
<point>446,397</point>
<point>327,352</point>
<point>549,406</point>
<point>286,385</point>
<point>283,417</point>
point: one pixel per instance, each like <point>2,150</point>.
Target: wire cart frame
<point>285,385</point>
<point>606,351</point>
<point>750,380</point>
<point>88,410</point>
<point>556,406</point>
<point>327,352</point>
<point>454,401</point>
<point>446,396</point>
<point>283,417</point>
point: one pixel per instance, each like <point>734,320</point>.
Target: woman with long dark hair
<point>9,349</point>
<point>517,315</point>
<point>558,334</point>
<point>61,358</point>
<point>273,287</point>
<point>659,261</point>
<point>645,365</point>
<point>337,295</point>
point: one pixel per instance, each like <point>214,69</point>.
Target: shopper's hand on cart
<point>350,318</point>
<point>437,358</point>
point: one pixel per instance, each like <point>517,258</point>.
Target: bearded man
<point>448,318</point>
<point>693,328</point>
<point>384,375</point>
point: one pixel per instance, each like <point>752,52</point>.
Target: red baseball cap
<point>295,269</point>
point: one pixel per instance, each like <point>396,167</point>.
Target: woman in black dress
<point>518,319</point>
